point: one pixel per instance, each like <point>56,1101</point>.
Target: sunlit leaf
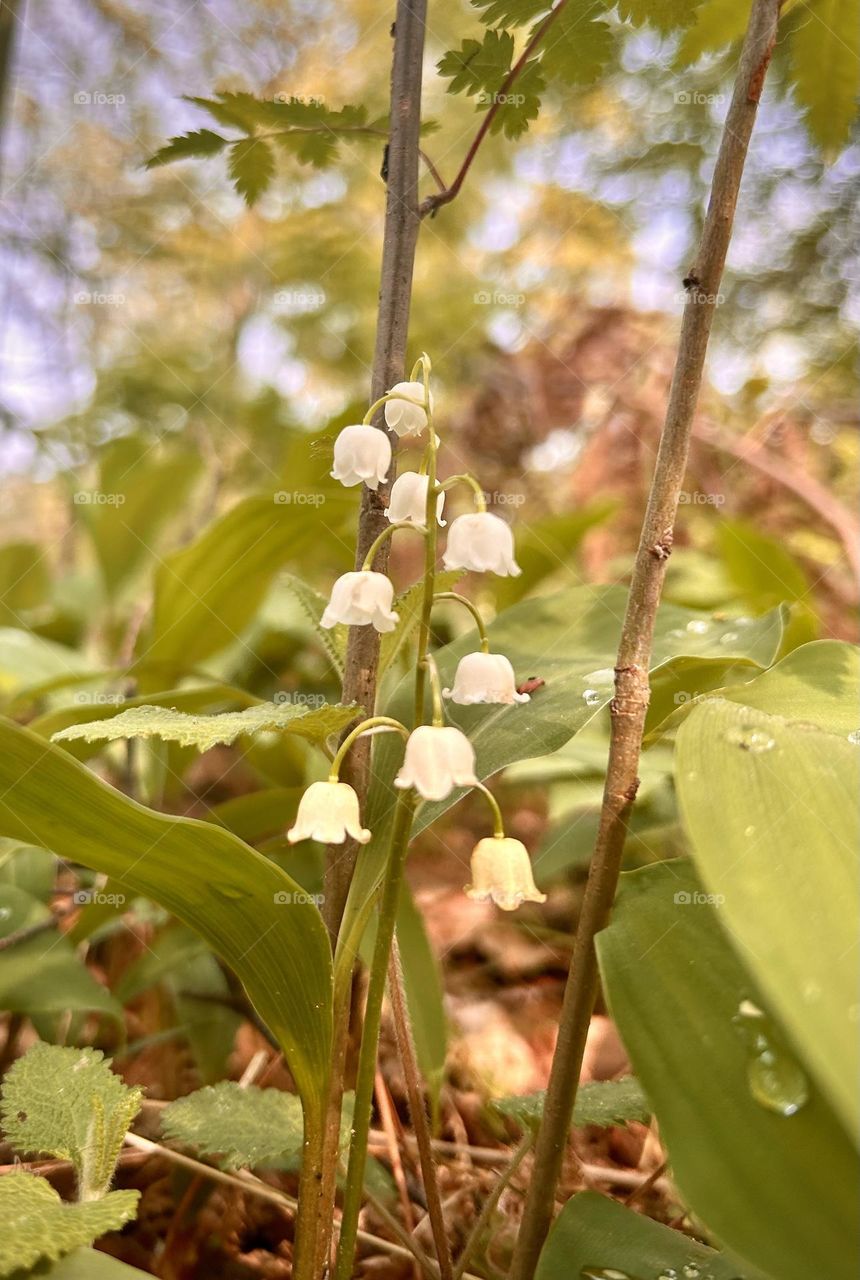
<point>598,1102</point>
<point>200,142</point>
<point>38,1224</point>
<point>245,1126</point>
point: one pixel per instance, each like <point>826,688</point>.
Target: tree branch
<point>630,703</point>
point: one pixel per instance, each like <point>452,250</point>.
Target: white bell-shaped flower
<point>361,453</point>
<point>361,598</point>
<point>438,759</point>
<point>408,501</point>
<point>502,873</point>
<point>484,677</point>
<point>328,812</point>
<point>403,417</point>
<point>483,542</point>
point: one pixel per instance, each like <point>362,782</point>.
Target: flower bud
<point>328,812</point>
<point>484,677</point>
<point>502,873</point>
<point>483,542</point>
<point>361,598</point>
<point>409,500</point>
<point>361,453</point>
<point>438,759</point>
<point>403,418</point>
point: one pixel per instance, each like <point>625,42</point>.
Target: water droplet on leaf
<point>699,626</point>
<point>854,736</point>
<point>591,697</point>
<point>775,1078</point>
<point>750,738</point>
<point>728,637</point>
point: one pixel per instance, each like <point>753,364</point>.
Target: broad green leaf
<point>146,488</point>
<point>27,659</point>
<point>422,980</point>
<point>817,683</point>
<point>28,868</point>
<point>207,593</point>
<point>199,142</point>
<point>24,579</point>
<point>675,988</point>
<point>776,832</point>
<point>203,732</point>
<point>252,167</point>
<point>249,911</point>
<point>260,814</point>
<point>598,1102</point>
<point>408,608</point>
<point>246,1127</point>
<point>596,1236</point>
<point>43,974</point>
<point>38,1224</point>
<point>825,57</point>
<point>569,639</point>
<point>68,1103</point>
<point>717,23</point>
<point>765,574</point>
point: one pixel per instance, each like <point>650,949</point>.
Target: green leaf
<point>68,1103</point>
<point>43,974</point>
<point>675,988</point>
<point>252,167</point>
<point>317,147</point>
<point>717,23</point>
<point>408,608</point>
<point>569,640</point>
<point>238,110</point>
<point>37,1224</point>
<point>422,981</point>
<point>599,1102</point>
<point>825,57</point>
<point>577,47</point>
<point>511,13</point>
<point>90,1264</point>
<point>594,1235</point>
<point>201,142</point>
<point>478,66</point>
<point>664,15</point>
<point>246,1127</point>
<point>817,684</point>
<point>27,659</point>
<point>207,593</point>
<point>250,912</point>
<point>24,579</point>
<point>765,574</point>
<point>203,732</point>
<point>776,833</point>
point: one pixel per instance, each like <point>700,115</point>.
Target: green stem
<point>370,1037</point>
<point>386,533</point>
<point>474,485</point>
<point>372,722</point>
<point>436,690</point>
<point>429,569</point>
<point>498,821</point>
<point>473,609</point>
<point>377,404</point>
<point>310,1187</point>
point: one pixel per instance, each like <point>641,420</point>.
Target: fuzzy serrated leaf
<point>578,46</point>
<point>201,142</point>
<point>317,147</point>
<point>333,639</point>
<point>245,1127</point>
<point>522,104</point>
<point>599,1102</point>
<point>68,1103</point>
<point>38,1224</point>
<point>252,167</point>
<point>203,732</point>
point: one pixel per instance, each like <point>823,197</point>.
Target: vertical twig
<point>418,1112</point>
<point>400,236</point>
<point>630,703</point>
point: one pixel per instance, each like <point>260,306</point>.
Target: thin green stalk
<point>429,571</point>
<point>473,609</point>
<point>488,1208</point>
<point>372,722</point>
<point>354,1191</point>
<point>474,485</point>
<point>386,533</point>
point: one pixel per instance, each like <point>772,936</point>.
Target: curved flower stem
<point>354,1191</point>
<point>473,609</point>
<point>373,722</point>
<point>498,820</point>
<point>429,563</point>
<point>386,533</point>
<point>424,366</point>
<point>436,689</point>
<point>630,704</point>
<point>474,485</point>
<point>377,404</point>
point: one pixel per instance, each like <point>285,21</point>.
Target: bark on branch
<point>631,673</point>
